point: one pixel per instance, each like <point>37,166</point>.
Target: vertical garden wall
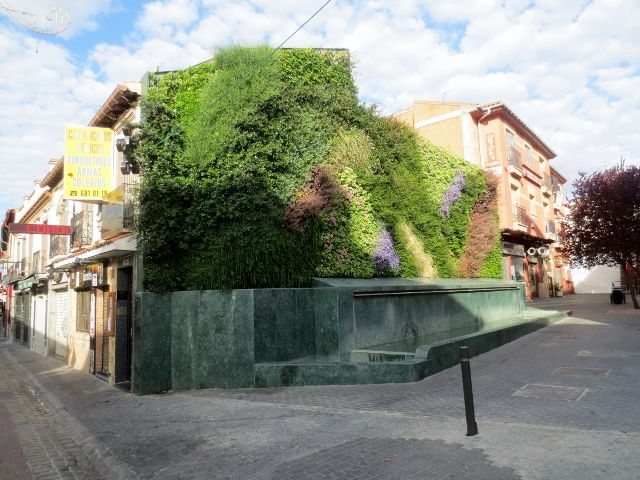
<point>267,173</point>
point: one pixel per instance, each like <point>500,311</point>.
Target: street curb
<point>105,461</point>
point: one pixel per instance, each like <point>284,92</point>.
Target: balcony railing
<point>81,229</point>
<point>10,276</point>
<point>521,215</point>
<point>58,245</point>
<point>550,227</point>
<point>35,262</point>
<point>558,198</point>
<point>515,159</point>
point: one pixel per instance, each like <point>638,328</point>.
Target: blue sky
<point>570,69</point>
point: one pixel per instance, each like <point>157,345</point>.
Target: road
<point>561,403</point>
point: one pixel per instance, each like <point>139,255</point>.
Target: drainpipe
<point>487,111</point>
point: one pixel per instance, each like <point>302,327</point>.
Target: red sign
<point>38,228</point>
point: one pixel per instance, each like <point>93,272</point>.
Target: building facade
<point>72,295</point>
<point>530,194</point>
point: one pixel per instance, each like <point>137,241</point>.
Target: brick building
<point>530,195</point>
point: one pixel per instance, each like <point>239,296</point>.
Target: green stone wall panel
<point>151,359</point>
<point>241,341</point>
<point>327,336</point>
<point>285,375</point>
<point>411,311</point>
<point>231,339</point>
<point>284,324</point>
<point>212,339</point>
<point>346,320</point>
<point>184,316</point>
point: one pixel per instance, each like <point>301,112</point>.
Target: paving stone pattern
<point>348,432</point>
<point>13,465</point>
<point>498,374</point>
<point>43,442</point>
<point>393,459</point>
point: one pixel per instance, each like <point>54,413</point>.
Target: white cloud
<point>162,19</point>
<point>40,93</point>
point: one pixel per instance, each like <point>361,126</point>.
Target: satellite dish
<point>50,20</point>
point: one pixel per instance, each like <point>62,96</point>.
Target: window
<point>532,205</point>
<point>83,311</point>
<point>511,140</point>
<point>513,155</point>
<point>521,215</point>
<point>528,156</point>
<point>517,269</point>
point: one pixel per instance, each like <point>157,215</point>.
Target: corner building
<point>531,199</point>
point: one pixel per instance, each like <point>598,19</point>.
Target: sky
<point>570,69</point>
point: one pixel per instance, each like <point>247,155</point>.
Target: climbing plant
<point>266,174</point>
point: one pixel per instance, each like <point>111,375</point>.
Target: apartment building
<point>71,295</point>
<point>530,193</point>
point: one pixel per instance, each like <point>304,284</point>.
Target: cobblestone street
<point>558,403</point>
<point>38,437</point>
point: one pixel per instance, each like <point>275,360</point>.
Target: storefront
<point>100,298</point>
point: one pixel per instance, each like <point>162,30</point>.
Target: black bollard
<point>472,426</point>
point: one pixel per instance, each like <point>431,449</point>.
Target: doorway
<point>534,279</point>
<point>124,325</point>
<point>61,316</point>
<point>39,324</point>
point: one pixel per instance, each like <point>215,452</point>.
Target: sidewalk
<point>561,403</point>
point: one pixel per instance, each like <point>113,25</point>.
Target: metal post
<point>472,426</point>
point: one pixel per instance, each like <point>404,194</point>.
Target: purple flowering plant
<point>452,194</point>
<point>385,258</point>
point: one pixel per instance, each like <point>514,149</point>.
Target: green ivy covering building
<point>266,173</point>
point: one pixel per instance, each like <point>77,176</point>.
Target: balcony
<point>11,276</point>
<point>35,263</point>
<point>81,229</point>
<point>58,245</point>
<point>546,185</point>
<point>515,162</point>
<point>558,200</point>
<point>521,218</point>
<point>550,230</point>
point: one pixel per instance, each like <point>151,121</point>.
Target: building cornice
<point>120,100</point>
<point>37,207</point>
<point>55,175</point>
<point>555,173</point>
<point>497,108</point>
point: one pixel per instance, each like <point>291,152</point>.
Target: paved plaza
<point>560,403</point>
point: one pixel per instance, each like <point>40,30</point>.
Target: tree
<point>603,227</point>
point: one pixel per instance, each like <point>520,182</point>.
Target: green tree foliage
<point>269,179</point>
<point>603,227</point>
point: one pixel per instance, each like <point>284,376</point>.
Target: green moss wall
<point>262,169</point>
